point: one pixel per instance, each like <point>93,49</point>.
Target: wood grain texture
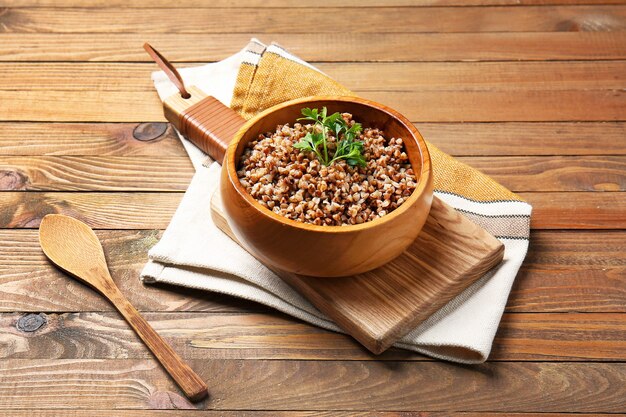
<point>287,3</point>
<point>358,76</point>
<point>555,173</point>
<point>458,139</point>
<point>96,173</point>
<point>584,267</point>
<point>449,254</point>
<point>419,106</point>
<point>317,385</point>
<point>565,271</point>
<point>165,399</point>
<point>210,336</point>
<point>100,210</point>
<point>577,210</point>
<point>494,106</point>
<point>468,76</point>
<point>140,173</point>
<point>528,46</point>
<point>489,139</point>
<point>141,210</point>
<point>79,139</point>
<point>519,333</point>
<point>325,19</point>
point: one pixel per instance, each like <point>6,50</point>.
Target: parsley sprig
<point>348,147</point>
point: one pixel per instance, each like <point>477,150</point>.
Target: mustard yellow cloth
<point>277,77</point>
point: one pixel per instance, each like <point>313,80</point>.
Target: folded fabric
<point>194,253</point>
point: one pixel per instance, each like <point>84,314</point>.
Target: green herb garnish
<point>348,147</point>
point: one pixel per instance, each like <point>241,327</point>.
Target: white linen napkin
<point>194,253</point>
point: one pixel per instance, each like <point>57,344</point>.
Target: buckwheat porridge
<point>327,170</point>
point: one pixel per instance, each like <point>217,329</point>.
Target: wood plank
<point>488,106</point>
<point>568,289</point>
<point>319,385</point>
<point>460,139</point>
<point>577,210</point>
<point>565,271</point>
<point>568,271</point>
<point>106,210</point>
<point>521,337</point>
<point>141,173</point>
<point>71,173</point>
<point>556,337</point>
<point>118,210</point>
<point>423,76</point>
<point>490,139</point>
<point>241,413</point>
<point>88,106</point>
<point>90,139</point>
<point>288,3</point>
<point>419,106</point>
<point>554,173</point>
<point>360,76</point>
<point>528,46</point>
<point>327,19</point>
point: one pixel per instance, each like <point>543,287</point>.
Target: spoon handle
<point>194,387</point>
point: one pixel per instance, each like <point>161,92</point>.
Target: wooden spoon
<point>74,247</point>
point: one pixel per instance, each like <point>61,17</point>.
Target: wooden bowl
<point>326,251</point>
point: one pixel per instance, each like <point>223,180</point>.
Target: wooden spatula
<point>74,247</point>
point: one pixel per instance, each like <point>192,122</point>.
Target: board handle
<point>204,120</point>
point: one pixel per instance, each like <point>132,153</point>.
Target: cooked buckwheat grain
<point>299,187</point>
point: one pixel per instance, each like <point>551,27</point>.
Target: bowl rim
<point>423,180</point>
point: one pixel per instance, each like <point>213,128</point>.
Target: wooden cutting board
<point>379,307</point>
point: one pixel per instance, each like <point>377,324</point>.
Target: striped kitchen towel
<point>193,252</point>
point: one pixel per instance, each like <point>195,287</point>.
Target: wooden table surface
<point>533,95</point>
